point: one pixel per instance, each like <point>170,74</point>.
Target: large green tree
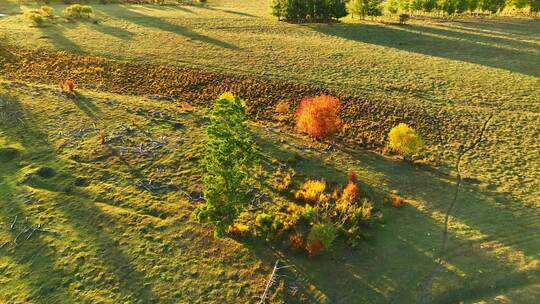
<point>229,160</point>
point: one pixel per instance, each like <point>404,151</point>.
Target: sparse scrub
<point>282,181</point>
<point>318,116</point>
<point>312,192</point>
<point>296,242</point>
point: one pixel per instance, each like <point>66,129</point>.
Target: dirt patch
<point>366,121</point>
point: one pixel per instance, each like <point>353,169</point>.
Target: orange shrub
<point>350,192</point>
<point>102,137</point>
<point>318,116</point>
<point>282,107</point>
<point>314,247</point>
<point>352,176</point>
<point>397,201</point>
<point>71,86</point>
<point>296,242</point>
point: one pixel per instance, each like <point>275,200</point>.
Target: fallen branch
<point>269,283</point>
<point>461,153</point>
<point>271,280</point>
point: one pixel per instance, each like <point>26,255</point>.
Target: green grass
<point>470,66</point>
<point>111,240</point>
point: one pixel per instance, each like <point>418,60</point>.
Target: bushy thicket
<point>228,163</point>
<point>309,10</point>
<point>459,6</point>
<point>320,214</point>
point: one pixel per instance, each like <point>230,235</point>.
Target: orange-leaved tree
<point>318,116</point>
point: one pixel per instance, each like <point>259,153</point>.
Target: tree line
<point>329,10</point>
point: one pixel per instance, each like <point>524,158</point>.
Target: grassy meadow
<point>115,223</point>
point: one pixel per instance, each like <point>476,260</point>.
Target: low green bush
<point>78,11</point>
<point>35,17</point>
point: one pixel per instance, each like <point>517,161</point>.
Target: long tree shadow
<point>229,11</point>
<point>418,39</point>
<point>509,26</point>
<point>129,14</point>
<point>55,34</point>
<point>380,270</point>
<point>112,31</point>
<point>478,38</point>
<point>80,212</point>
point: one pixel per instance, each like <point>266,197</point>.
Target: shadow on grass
<point>453,45</point>
<point>55,34</point>
<point>86,105</point>
<point>112,31</point>
<point>404,248</point>
<point>229,11</point>
<point>48,280</point>
<point>129,14</point>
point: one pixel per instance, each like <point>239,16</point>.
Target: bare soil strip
<point>366,121</point>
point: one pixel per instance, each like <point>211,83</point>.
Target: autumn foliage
<point>318,116</point>
<point>314,248</point>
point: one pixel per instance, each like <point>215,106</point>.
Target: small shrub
<point>238,229</point>
<point>324,233</point>
<point>314,248</point>
<point>283,180</point>
<point>352,177</point>
<point>404,140</point>
<point>71,87</point>
<point>318,116</point>
<point>310,213</point>
<point>47,11</point>
<point>283,107</point>
<point>312,192</point>
<point>102,137</point>
<point>397,201</point>
<point>270,225</point>
<point>296,242</point>
<point>87,10</point>
<point>35,17</point>
<point>74,11</point>
<point>350,194</point>
<point>263,220</point>
<point>403,18</point>
<point>362,214</point>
